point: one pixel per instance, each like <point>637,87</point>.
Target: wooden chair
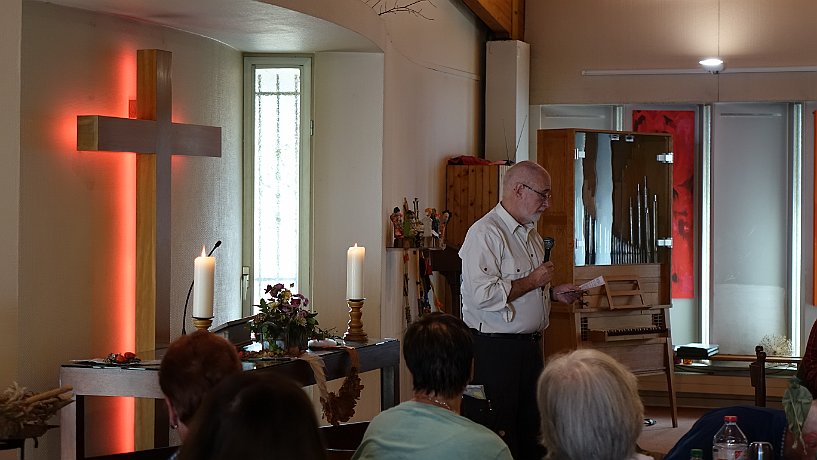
<point>757,376</point>
<point>757,372</point>
<point>159,453</point>
<point>342,440</point>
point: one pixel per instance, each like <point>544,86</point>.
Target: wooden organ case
<point>611,217</point>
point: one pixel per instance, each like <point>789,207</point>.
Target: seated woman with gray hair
<point>590,408</point>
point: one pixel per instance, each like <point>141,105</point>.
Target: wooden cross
<point>156,138</point>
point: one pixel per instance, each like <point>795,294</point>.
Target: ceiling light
<point>712,65</point>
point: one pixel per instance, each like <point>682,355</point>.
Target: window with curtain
<point>751,209</point>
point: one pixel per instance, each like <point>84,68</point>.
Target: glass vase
<point>295,342</point>
<point>263,339</point>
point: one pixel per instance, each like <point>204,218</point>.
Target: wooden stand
<point>354,329</point>
<point>202,323</point>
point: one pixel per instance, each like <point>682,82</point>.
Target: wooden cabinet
<point>610,216</point>
<point>471,191</point>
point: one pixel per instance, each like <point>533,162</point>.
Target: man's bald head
<point>526,191</point>
<point>522,172</point>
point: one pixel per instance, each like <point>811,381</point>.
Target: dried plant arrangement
<point>776,345</point>
<point>25,414</point>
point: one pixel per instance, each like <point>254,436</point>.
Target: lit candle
<point>203,280</point>
<point>354,272</point>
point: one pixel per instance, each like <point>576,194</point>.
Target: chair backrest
<point>160,453</point>
<point>342,440</point>
<point>757,376</point>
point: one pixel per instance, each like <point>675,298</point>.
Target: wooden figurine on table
<point>435,220</point>
<point>444,218</point>
<point>408,228</point>
<point>397,224</point>
<point>427,233</point>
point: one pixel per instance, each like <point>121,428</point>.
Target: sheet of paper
<point>595,282</point>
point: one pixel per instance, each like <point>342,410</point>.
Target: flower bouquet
<point>285,317</point>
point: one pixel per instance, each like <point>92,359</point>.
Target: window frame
<point>251,63</point>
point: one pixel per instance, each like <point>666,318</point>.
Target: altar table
<point>143,382</point>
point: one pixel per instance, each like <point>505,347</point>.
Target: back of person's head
<point>590,407</point>
<point>193,365</point>
<point>439,353</point>
<point>255,415</point>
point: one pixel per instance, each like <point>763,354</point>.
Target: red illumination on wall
<point>681,124</point>
<point>115,415</point>
<point>126,309</point>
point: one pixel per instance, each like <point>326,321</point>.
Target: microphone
<point>184,314</point>
<point>549,243</point>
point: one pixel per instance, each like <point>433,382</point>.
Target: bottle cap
<point>697,452</point>
<point>730,418</point>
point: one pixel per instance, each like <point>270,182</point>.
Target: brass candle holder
<point>203,323</point>
<point>354,329</point>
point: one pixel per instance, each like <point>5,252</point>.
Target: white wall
<point>431,115</point>
<point>347,163</point>
<point>507,84</point>
<point>568,37</point>
<point>73,229</point>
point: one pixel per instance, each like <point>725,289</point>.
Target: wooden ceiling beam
<point>505,18</point>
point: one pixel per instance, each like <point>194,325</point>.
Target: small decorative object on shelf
<point>410,229</point>
<point>776,345</point>
<point>397,226</point>
<point>444,218</point>
<point>285,317</point>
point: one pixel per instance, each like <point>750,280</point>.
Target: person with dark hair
<point>506,294</point>
<point>255,415</point>
<point>192,365</point>
<point>438,349</point>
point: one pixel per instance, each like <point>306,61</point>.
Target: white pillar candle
<point>354,272</point>
<point>203,280</point>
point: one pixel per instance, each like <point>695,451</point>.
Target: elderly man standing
<point>506,293</point>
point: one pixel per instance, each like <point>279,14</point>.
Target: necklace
<point>432,401</point>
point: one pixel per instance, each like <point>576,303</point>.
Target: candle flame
<point>203,251</point>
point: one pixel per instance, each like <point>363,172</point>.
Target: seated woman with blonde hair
<point>590,408</point>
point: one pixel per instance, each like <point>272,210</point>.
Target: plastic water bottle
<point>696,454</point>
<point>729,443</point>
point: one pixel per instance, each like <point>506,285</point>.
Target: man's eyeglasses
<point>544,196</point>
